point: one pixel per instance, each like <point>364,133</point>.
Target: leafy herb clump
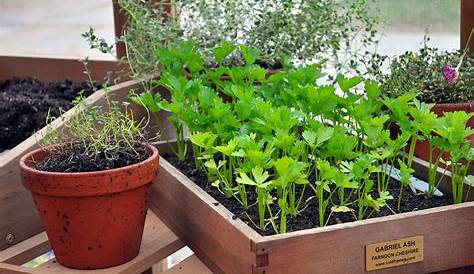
<point>269,140</point>
<point>422,72</point>
<point>302,31</point>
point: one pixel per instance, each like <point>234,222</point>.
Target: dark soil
<point>274,65</point>
<point>24,105</point>
<point>270,65</point>
<point>309,217</point>
<point>76,159</point>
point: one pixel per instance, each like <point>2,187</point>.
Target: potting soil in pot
<point>308,218</point>
<point>78,160</point>
<point>24,106</point>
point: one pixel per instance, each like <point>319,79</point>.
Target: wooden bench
<point>158,243</point>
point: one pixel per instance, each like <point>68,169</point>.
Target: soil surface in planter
<point>270,65</point>
<point>77,159</point>
<point>308,218</point>
<point>24,106</point>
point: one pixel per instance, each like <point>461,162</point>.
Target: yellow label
<point>394,253</point>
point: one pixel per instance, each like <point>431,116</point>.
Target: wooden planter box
<point>230,246</point>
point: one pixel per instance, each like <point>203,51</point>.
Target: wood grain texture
<point>158,242</point>
<point>23,252</point>
<point>217,239</point>
<point>190,265</point>
<point>14,269</point>
<point>54,69</point>
<point>17,211</point>
<point>464,270</point>
<point>340,248</point>
<point>120,19</point>
<point>222,243</point>
<point>467,22</point>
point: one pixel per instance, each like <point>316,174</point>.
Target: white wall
<point>53,27</point>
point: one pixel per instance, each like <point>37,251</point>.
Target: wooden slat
<point>158,243</point>
<point>50,69</point>
<point>120,19</point>
<point>467,22</point>
<point>27,250</point>
<point>17,212</point>
<point>464,270</point>
<point>190,265</point>
<point>14,269</point>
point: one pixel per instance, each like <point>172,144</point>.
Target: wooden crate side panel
<point>17,212</point>
<point>54,69</point>
<point>222,243</point>
<point>448,243</point>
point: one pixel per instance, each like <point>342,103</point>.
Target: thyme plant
<point>342,32</point>
<point>306,31</point>
<point>423,72</point>
<point>102,135</point>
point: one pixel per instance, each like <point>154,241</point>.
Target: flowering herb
<point>450,74</point>
<point>432,75</point>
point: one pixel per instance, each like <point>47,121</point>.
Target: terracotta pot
<point>422,148</point>
<point>93,219</point>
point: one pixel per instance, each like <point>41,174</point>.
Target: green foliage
<point>422,72</point>
<point>97,42</point>
<point>97,131</point>
<point>299,30</point>
<point>149,27</point>
<point>268,141</point>
<point>315,30</point>
<point>453,132</point>
<point>222,51</point>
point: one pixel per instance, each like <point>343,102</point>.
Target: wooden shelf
<point>157,244</point>
<point>190,265</point>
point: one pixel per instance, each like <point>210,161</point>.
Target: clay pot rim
<point>28,156</point>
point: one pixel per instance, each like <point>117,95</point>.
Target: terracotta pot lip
<point>462,104</point>
<point>29,169</point>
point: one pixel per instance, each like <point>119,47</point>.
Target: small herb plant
<point>277,143</point>
<point>432,74</point>
<point>94,138</point>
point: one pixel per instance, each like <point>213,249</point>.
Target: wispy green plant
<point>96,131</point>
